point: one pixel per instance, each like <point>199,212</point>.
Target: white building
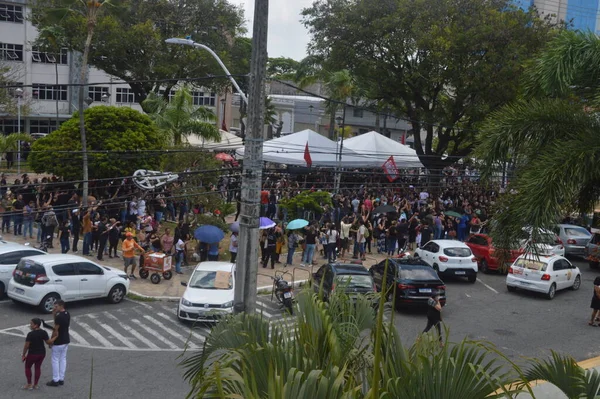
<point>46,77</point>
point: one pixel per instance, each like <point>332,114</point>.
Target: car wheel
<point>472,278</point>
<point>510,288</point>
<point>576,283</point>
<point>484,266</point>
<point>594,265</point>
<point>551,292</point>
<point>47,303</point>
<point>2,290</point>
<point>116,294</point>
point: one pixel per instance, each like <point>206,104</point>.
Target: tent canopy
<point>375,149</point>
<point>290,149</point>
<point>229,141</point>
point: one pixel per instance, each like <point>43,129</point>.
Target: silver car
<point>574,238</point>
<point>592,249</point>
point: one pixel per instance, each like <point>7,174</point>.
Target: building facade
<point>582,15</point>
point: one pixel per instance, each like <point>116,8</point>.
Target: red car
<point>482,248</point>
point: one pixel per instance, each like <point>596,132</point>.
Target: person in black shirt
<point>60,341</point>
<point>75,228</point>
<point>63,236</point>
<point>271,243</point>
<point>102,232</point>
<point>426,234</point>
<point>18,206</point>
<point>34,352</point>
<point>434,315</point>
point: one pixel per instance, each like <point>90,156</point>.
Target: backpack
<point>51,220</point>
<point>367,233</point>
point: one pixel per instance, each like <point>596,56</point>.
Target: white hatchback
<point>42,280</point>
<point>209,292</point>
<point>544,274</point>
<point>10,255</point>
<point>449,257</point>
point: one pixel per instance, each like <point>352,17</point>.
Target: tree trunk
<point>332,124</point>
<point>84,154</point>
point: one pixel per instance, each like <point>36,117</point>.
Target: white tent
<point>290,149</point>
<point>229,141</point>
<point>376,149</point>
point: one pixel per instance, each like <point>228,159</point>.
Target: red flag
<point>307,157</point>
<point>224,125</point>
<point>403,138</point>
<point>390,169</point>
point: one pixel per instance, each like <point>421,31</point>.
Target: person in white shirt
<point>332,237</point>
<point>179,250</point>
<point>233,246</point>
<point>345,234</point>
<point>361,239</point>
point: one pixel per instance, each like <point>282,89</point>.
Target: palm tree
<point>180,118</point>
<point>10,142</point>
<point>550,136</point>
<point>341,86</point>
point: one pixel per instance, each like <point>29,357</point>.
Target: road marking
<point>95,334</point>
<point>139,303</point>
<point>262,309</point>
<point>487,286</point>
<point>133,332</point>
<point>154,333</point>
<point>78,337</point>
<point>113,332</point>
<point>196,335</point>
<point>171,332</point>
<point>468,296</point>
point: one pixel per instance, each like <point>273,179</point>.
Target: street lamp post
<point>19,94</point>
<point>341,120</point>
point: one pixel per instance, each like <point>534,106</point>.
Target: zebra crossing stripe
<point>113,332</point>
<point>201,338</point>
<point>155,334</point>
<point>133,332</point>
<point>171,332</point>
<point>95,334</point>
<point>262,309</point>
<point>80,340</point>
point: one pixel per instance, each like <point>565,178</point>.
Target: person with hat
<point>128,247</point>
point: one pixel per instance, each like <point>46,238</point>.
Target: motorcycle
<point>283,292</point>
<point>46,243</point>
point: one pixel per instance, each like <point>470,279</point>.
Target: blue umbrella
<point>209,234</point>
<point>234,227</point>
<point>266,223</point>
<point>297,224</point>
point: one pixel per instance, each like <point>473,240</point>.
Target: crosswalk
<point>151,326</point>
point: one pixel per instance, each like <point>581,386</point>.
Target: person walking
<point>269,251</point>
<point>128,247</point>
<point>63,236</point>
<point>34,352</point>
<point>60,343</point>
<point>361,239</point>
<point>332,237</point>
<point>49,221</point>
<point>434,315</point>
<point>595,303</point>
<point>292,243</point>
<point>28,213</point>
<point>102,230</point>
<point>75,228</point>
<point>179,251</point>
<point>233,246</point>
<point>310,240</point>
<point>114,233</point>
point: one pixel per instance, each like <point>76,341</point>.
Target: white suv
<point>42,280</point>
<point>449,257</point>
<point>10,255</point>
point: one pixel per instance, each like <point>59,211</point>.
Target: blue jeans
<point>361,248</point>
<point>438,232</point>
<point>391,245</point>
<point>64,245</point>
<point>178,260</point>
<point>123,216</point>
<point>18,227</point>
<point>6,223</point>
<point>330,248</point>
<point>290,256</point>
<point>309,252</point>
<point>158,216</point>
<point>87,241</point>
<point>462,233</point>
<point>28,226</point>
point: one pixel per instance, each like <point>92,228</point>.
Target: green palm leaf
<point>563,372</point>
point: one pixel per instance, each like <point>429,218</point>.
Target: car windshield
<point>531,264</point>
<point>577,232</point>
<point>458,252</point>
<point>354,280</point>
<point>418,273</point>
<point>211,280</point>
<point>27,271</point>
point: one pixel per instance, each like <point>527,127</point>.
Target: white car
<point>209,292</point>
<point>449,257</point>
<point>545,274</point>
<point>42,280</point>
<point>548,242</point>
<point>10,255</point>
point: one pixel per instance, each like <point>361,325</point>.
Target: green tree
<point>282,68</point>
<point>443,64</point>
<point>116,135</point>
<point>313,201</point>
<point>549,136</point>
<point>180,118</point>
<point>10,142</point>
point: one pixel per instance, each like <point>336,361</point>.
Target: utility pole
<point>247,260</point>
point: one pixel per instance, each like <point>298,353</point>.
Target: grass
<point>138,298</point>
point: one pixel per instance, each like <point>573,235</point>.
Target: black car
<point>415,281</point>
<point>353,278</point>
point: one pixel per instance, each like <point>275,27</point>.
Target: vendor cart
<point>157,263</point>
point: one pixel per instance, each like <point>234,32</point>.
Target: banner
<point>307,156</point>
<point>390,169</point>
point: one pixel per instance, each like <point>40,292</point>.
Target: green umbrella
<point>453,214</point>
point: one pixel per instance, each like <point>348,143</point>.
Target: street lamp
<point>105,97</point>
<point>19,95</point>
<point>340,121</point>
<point>190,42</point>
<point>88,101</point>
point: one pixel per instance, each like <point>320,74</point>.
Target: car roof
<point>409,260</point>
<point>572,226</point>
<point>215,266</point>
<point>543,258</point>
<point>348,268</point>
<point>48,259</point>
<point>450,243</point>
<point>13,246</point>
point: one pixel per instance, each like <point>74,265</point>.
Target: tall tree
<point>444,64</point>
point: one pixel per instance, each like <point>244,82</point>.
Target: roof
<point>377,149</point>
<point>349,268</point>
<point>215,266</point>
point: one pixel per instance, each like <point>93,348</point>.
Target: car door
<point>8,262</point>
<point>92,283</point>
<point>317,277</point>
<point>66,280</point>
<point>427,252</point>
<point>560,271</point>
<point>478,246</point>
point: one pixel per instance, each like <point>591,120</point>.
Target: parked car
<point>41,280</point>
<point>483,249</point>
<point>449,257</point>
<point>209,293</point>
<point>547,242</point>
<point>591,251</point>
<point>10,255</point>
<point>414,279</point>
<point>575,238</point>
<point>353,278</point>
<point>544,274</point>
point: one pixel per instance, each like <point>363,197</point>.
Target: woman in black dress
<point>34,352</point>
<point>595,303</point>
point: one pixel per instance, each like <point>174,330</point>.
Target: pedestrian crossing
<point>151,326</point>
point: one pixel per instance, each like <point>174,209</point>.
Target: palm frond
<point>561,371</point>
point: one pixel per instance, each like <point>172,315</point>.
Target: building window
<point>49,58</point>
<point>201,98</point>
<point>357,112</point>
<point>161,93</point>
<point>49,92</point>
<point>8,126</point>
<point>11,13</point>
<point>11,52</point>
<point>42,126</point>
<point>125,95</point>
<point>96,92</point>
<point>12,90</point>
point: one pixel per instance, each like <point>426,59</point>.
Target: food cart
<point>159,264</point>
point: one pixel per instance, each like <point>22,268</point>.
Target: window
<point>418,273</point>
<point>478,240</point>
<point>204,99</point>
<point>357,112</point>
<point>11,52</point>
<point>11,13</point>
<point>89,269</point>
<point>171,94</point>
<point>125,95</point>
<point>8,126</point>
<point>42,126</point>
<point>11,258</point>
<point>49,58</point>
<point>49,92</point>
<point>458,252</point>
<point>68,269</point>
<point>96,92</point>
